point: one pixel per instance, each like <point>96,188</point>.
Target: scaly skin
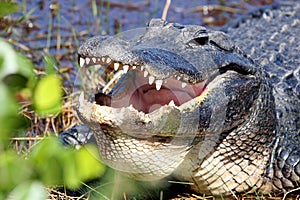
<point>234,127</point>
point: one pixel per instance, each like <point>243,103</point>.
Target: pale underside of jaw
<point>146,93</point>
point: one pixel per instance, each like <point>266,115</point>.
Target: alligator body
<point>191,102</point>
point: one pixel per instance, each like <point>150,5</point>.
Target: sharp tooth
<point>94,60</point>
<point>81,62</point>
<point>171,103</point>
<point>108,60</point>
<point>145,74</point>
<point>103,59</point>
<point>151,80</point>
<point>99,59</point>
<point>81,96</point>
<point>125,68</point>
<point>178,78</point>
<point>87,60</point>
<point>161,109</point>
<point>116,66</point>
<point>183,85</point>
<point>142,68</point>
<point>133,67</point>
<point>158,84</point>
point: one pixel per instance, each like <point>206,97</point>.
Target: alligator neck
<point>239,162</point>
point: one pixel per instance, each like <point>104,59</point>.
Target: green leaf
<point>8,8</point>
<point>47,159</point>
<point>12,62</point>
<point>10,120</point>
<point>15,74</point>
<point>88,161</point>
<point>28,191</point>
<point>13,170</point>
<point>51,66</point>
<point>56,164</point>
<point>47,95</point>
<point>15,82</point>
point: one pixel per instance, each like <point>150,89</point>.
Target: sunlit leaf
<point>12,62</point>
<point>56,164</point>
<point>29,191</point>
<point>88,161</point>
<point>8,8</point>
<point>47,95</point>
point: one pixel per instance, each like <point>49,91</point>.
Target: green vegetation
<point>27,174</point>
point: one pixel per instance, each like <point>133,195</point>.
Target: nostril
<point>102,99</point>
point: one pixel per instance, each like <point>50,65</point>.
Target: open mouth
<point>139,89</point>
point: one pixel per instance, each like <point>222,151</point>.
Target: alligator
<point>219,109</point>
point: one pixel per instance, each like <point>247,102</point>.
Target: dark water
<point>56,28</point>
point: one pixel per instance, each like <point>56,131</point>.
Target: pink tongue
<point>152,99</point>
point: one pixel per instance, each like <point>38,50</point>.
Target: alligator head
<point>179,86</point>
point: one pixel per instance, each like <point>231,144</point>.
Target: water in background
<point>56,28</point>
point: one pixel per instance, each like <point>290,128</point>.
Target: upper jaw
<point>147,70</point>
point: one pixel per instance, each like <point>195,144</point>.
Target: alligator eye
<point>201,40</point>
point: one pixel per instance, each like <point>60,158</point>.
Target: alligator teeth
<point>108,60</point>
<point>81,62</point>
<point>94,60</point>
<point>178,78</point>
<point>98,59</point>
<point>87,60</point>
<point>122,110</point>
<point>145,74</point>
<point>133,67</point>
<point>151,80</point>
<point>142,68</point>
<point>116,66</point>
<point>103,59</point>
<point>171,103</point>
<point>183,85</point>
<point>81,97</point>
<point>158,84</point>
<point>125,68</point>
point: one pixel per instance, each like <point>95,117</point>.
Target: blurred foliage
<point>25,176</point>
<point>16,77</point>
<point>7,7</point>
<point>48,101</point>
<point>54,164</point>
